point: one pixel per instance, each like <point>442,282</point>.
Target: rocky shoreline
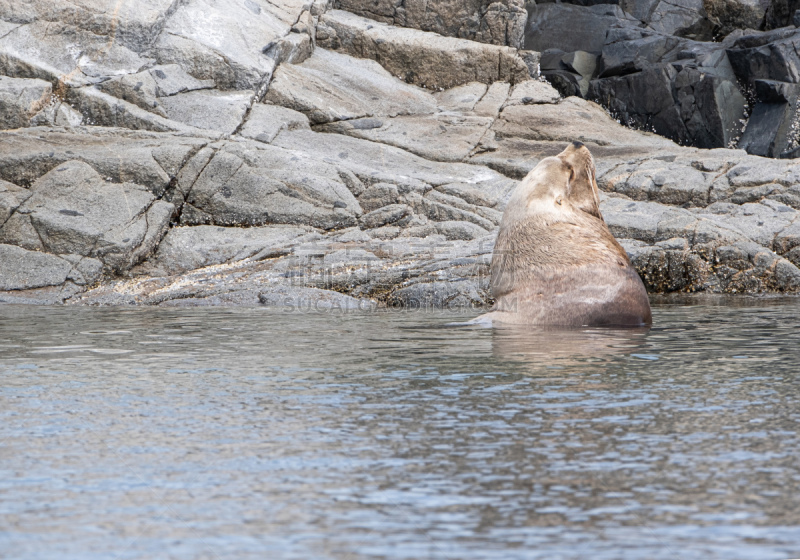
<point>185,152</point>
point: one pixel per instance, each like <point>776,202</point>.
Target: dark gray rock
<point>772,128</point>
<point>766,56</point>
<point>572,28</point>
<point>780,13</point>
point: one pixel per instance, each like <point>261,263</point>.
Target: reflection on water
<point>249,433</point>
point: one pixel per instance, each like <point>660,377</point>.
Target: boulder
<point>730,15</point>
<point>690,103</point>
<point>780,13</point>
<point>418,57</point>
<point>766,56</point>
<point>572,28</point>
<point>21,269</point>
<point>772,129</point>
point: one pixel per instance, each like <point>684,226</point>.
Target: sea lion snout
<point>583,191</point>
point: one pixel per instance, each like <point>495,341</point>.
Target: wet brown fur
<point>555,261</point>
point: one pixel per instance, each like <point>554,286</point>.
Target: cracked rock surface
<point>289,154</point>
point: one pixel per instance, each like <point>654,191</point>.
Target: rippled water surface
<point>250,433</point>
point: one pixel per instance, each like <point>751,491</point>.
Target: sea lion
<point>555,262</point>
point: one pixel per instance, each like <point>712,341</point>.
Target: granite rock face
<point>484,21</point>
<point>420,58</point>
<point>297,155</point>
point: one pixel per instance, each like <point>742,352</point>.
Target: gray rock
<point>11,196</point>
<point>54,51</point>
<point>189,248</point>
<point>760,222</point>
<point>572,119</point>
<point>310,300</point>
<point>171,79</point>
<point>101,109</point>
<point>264,122</point>
<point>532,92</point>
<point>684,18</point>
<point>441,137</point>
<point>494,99</point>
<point>222,111</point>
<point>72,210</point>
<point>331,86</point>
<point>486,21</point>
<point>386,215</point>
<point>421,58</point>
<point>453,230</point>
<point>461,98</point>
<point>139,89</point>
<point>120,155</point>
<point>144,88</point>
<point>21,99</point>
<point>21,269</point>
<point>718,255</point>
<point>375,163</point>
<point>231,55</point>
<point>257,184</point>
<point>57,113</point>
<point>378,196</point>
<point>134,25</point>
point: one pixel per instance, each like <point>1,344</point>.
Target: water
<point>250,433</point>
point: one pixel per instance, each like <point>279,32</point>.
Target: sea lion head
<point>557,186</point>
